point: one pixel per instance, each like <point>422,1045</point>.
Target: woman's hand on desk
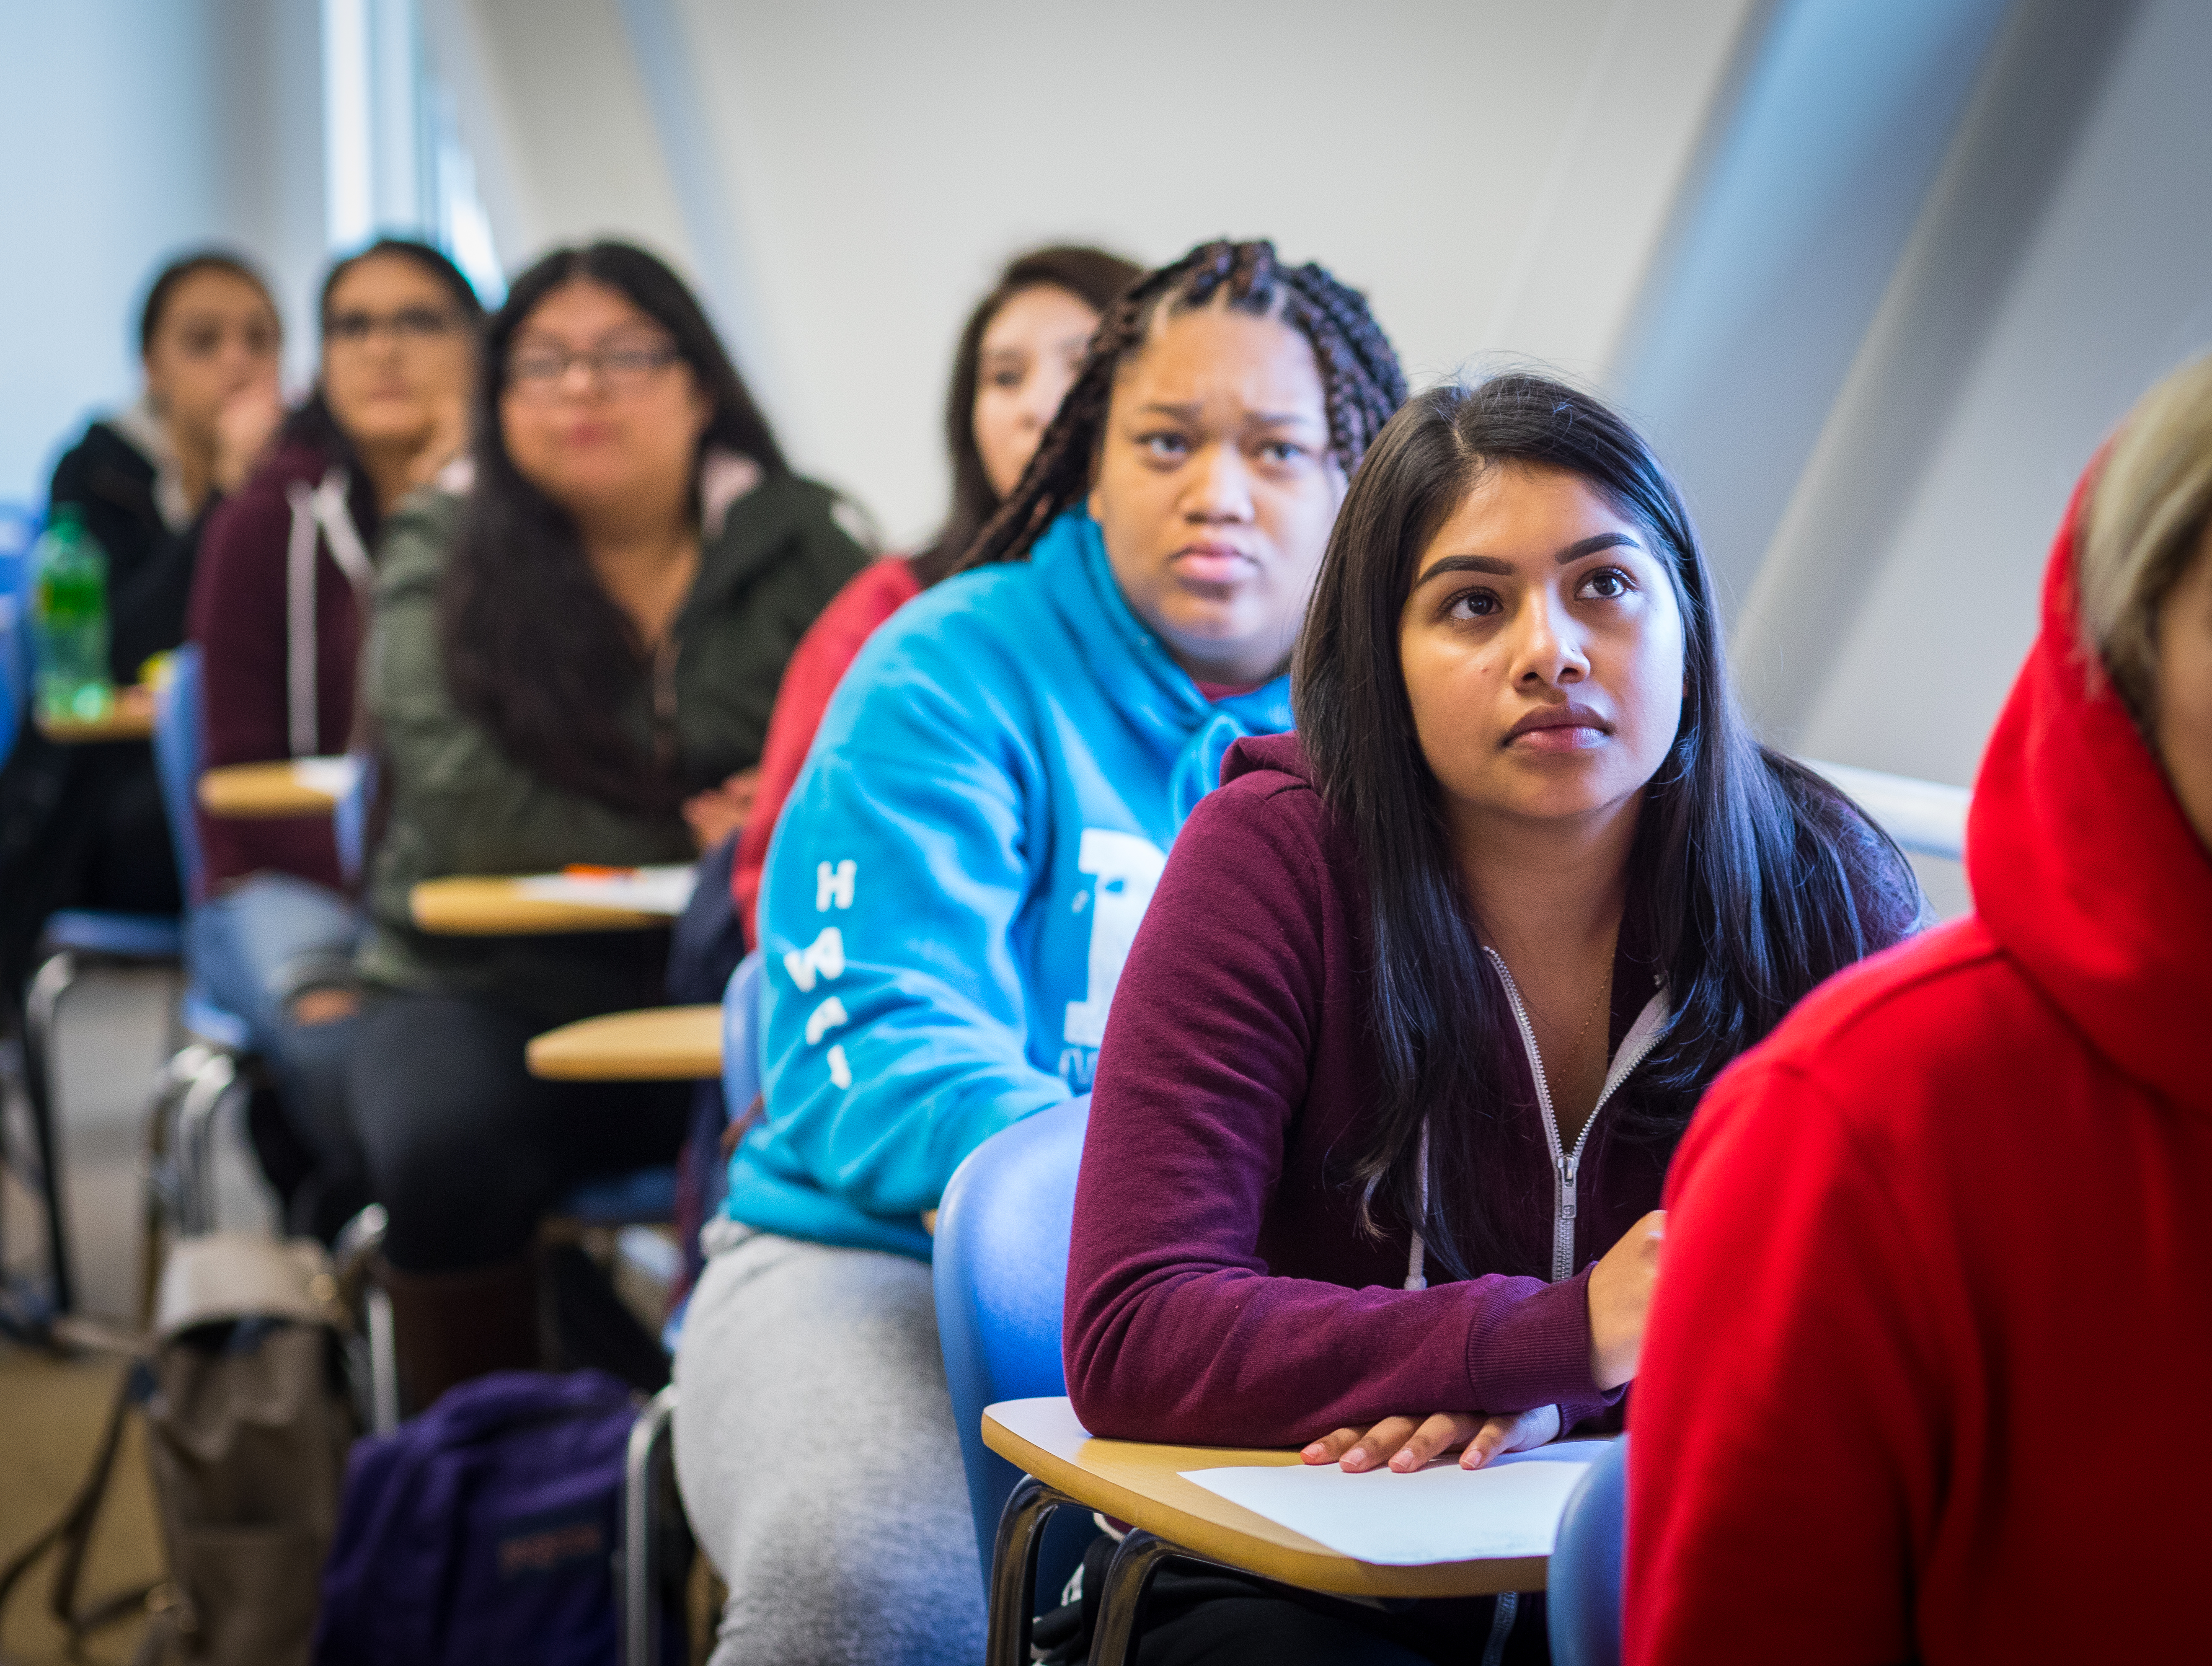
<point>1406,1444</point>
<point>1621,1286</point>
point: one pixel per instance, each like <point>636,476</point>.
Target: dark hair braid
<point>1361,381</point>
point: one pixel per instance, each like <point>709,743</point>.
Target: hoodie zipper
<point>1566,1165</point>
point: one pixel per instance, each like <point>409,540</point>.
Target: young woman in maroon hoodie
<point>1427,991</point>
<point>279,604</point>
<point>1934,1238</point>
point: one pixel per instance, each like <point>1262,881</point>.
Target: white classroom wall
<point>2111,288</point>
<point>1495,175</point>
<point>129,130</point>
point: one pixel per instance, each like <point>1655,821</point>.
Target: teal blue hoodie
<point>956,878</point>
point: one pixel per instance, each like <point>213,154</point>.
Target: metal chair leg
<point>213,1084</point>
<point>383,1361</point>
<point>1012,1573</point>
<point>355,1253</point>
<point>157,1170</point>
<point>1135,1560</point>
<point>47,988</point>
<point>640,1616</point>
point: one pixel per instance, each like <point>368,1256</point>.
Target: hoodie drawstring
<point>322,509</point>
<point>1417,1258</point>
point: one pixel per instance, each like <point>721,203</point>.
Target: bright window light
<point>349,135</point>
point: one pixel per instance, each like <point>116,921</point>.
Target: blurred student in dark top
<point>82,826</point>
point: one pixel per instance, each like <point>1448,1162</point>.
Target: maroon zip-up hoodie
<point>282,640</point>
<point>1219,1288</point>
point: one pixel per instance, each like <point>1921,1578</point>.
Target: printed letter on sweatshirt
<point>833,885</point>
<point>1129,869</point>
<point>824,958</point>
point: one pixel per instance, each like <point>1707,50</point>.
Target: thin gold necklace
<point>1574,1047</point>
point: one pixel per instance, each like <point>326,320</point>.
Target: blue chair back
<point>179,746</point>
<point>349,819</point>
<point>741,1035</point>
<point>999,1266</point>
<point>19,531</point>
<point>14,705</point>
<point>1583,1601</point>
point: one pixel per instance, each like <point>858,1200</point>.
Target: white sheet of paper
<point>333,775</point>
<point>1509,1507</point>
<point>645,890</point>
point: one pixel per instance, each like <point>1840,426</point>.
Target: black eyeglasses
<point>538,372</point>
<point>408,324</point>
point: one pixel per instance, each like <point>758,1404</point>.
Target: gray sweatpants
<point>818,1462</point>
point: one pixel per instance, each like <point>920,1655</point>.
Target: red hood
<point>2084,867</point>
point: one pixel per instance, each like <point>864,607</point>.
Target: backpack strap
<point>71,1532</point>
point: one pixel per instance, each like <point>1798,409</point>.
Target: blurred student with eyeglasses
<point>82,826</point>
<point>574,664</point>
<point>279,607</point>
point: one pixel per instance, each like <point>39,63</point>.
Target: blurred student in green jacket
<point>573,664</point>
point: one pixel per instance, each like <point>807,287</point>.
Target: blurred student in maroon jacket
<point>1940,1266</point>
<point>278,606</point>
<point>1426,994</point>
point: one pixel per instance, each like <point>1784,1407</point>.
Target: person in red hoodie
<point>1960,1196</point>
<point>1018,357</point>
<point>279,602</point>
<point>1427,991</point>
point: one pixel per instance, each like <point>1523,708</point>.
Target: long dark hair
<point>1747,870</point>
<point>314,423</point>
<point>1361,381</point>
<point>1093,276</point>
<point>535,649</point>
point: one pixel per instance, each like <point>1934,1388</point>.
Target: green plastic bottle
<point>68,620</point>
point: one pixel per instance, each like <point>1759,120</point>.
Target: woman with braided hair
<point>948,900</point>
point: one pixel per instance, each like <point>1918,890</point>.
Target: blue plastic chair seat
<point>623,1200</point>
<point>125,936</point>
<point>999,1271</point>
<point>671,1329</point>
<point>1582,1603</point>
<point>741,1042</point>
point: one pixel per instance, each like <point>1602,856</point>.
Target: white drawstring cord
<point>1417,1258</point>
<point>324,507</point>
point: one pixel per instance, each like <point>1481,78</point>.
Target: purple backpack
<point>483,1531</point>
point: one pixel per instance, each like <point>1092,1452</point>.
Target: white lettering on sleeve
<point>841,1070</point>
<point>1128,870</point>
<point>825,1019</point>
<point>834,884</point>
<point>824,958</point>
